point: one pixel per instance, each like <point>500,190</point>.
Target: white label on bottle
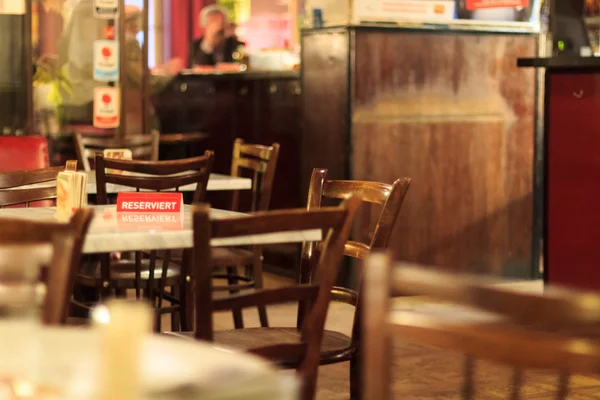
<point>106,60</point>
<point>106,107</point>
<point>106,9</point>
<point>16,7</point>
<point>394,10</point>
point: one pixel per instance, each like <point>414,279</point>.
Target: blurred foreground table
<point>65,364</point>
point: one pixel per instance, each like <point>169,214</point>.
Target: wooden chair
<point>15,196</point>
<point>132,274</point>
<point>290,347</point>
<point>521,330</point>
<point>341,348</point>
<point>67,240</point>
<point>183,139</point>
<point>143,147</point>
<point>174,146</point>
<point>261,161</point>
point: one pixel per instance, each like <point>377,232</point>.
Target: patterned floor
<point>423,372</point>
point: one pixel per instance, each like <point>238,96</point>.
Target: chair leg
<point>157,320</point>
<point>257,277</point>
<point>176,315</point>
<point>238,320</point>
<point>355,378</point>
<point>186,294</point>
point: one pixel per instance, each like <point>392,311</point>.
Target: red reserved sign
<point>154,221</point>
<point>149,202</point>
<point>479,4</point>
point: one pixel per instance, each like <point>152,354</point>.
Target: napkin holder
<point>71,190</point>
<point>117,154</point>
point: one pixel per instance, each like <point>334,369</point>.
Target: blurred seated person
<point>230,34</point>
<point>76,60</point>
<point>215,46</point>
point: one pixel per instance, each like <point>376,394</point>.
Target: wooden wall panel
<point>453,112</point>
<point>325,99</point>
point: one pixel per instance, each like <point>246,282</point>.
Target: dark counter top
<point>566,62</point>
<point>247,75</point>
<point>453,26</point>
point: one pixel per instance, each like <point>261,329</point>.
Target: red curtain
<point>180,25</point>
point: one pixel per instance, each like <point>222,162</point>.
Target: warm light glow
<point>101,315</point>
<point>23,389</point>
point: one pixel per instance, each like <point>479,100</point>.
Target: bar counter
<point>448,108</point>
<point>258,106</point>
<point>570,170</point>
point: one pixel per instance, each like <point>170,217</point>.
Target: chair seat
<point>122,273</point>
<point>88,130</point>
<point>78,321</point>
<point>226,256</point>
<point>220,256</point>
<point>335,347</point>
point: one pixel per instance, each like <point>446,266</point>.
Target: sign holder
<point>145,70</point>
<point>121,131</point>
<point>28,54</point>
<point>122,68</point>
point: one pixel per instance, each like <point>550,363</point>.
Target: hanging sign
<point>106,9</point>
<point>479,4</point>
<point>16,7</point>
<point>106,107</point>
<point>106,60</point>
<point>396,10</point>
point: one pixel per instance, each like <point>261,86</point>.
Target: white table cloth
<point>66,360</point>
<point>111,231</point>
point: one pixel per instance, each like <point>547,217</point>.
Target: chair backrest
<point>390,197</point>
<point>23,153</point>
<point>154,175</point>
<point>521,329</point>
<point>262,162</point>
<point>11,195</point>
<point>183,139</point>
<point>143,147</point>
<point>336,221</point>
<point>67,240</point>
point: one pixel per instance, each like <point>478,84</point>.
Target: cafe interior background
<point>371,90</point>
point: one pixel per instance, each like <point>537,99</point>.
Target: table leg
<point>187,292</point>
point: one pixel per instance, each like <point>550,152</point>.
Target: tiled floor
<point>423,372</point>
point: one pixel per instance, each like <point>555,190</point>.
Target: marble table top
<point>111,231</point>
<point>216,182</point>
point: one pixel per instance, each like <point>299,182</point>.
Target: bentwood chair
<point>143,147</point>
<point>519,329</point>
<point>340,347</point>
<point>261,162</point>
<point>21,236</point>
<point>12,193</point>
<point>295,347</point>
<point>151,273</point>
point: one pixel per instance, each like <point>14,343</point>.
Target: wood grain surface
<point>453,112</point>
